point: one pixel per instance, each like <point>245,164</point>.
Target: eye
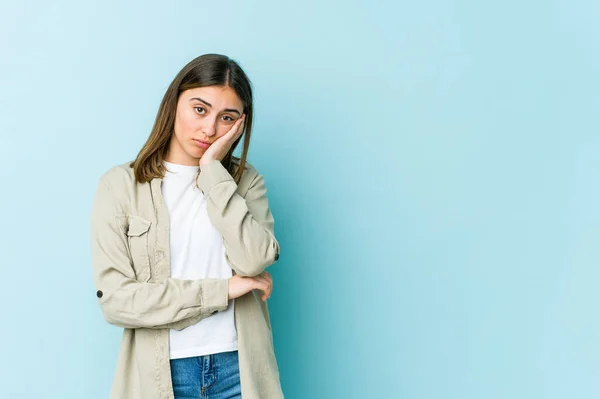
<point>202,112</point>
<point>228,118</point>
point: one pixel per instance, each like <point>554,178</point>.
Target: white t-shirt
<point>197,252</point>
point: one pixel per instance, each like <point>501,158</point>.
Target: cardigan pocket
<point>137,238</point>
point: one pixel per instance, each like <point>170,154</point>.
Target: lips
<point>201,144</point>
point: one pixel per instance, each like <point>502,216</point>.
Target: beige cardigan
<point>130,259</point>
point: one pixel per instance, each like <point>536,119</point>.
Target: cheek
<point>221,132</point>
<point>184,124</point>
<point>223,128</point>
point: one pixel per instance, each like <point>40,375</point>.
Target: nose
<point>209,127</point>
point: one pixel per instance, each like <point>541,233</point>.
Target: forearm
<point>245,223</point>
<point>170,304</point>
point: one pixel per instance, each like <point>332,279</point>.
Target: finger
<point>237,126</point>
<point>241,126</point>
<point>269,288</point>
<point>267,293</point>
<point>265,285</point>
<point>267,275</point>
<point>270,278</point>
<point>231,135</point>
<point>263,279</point>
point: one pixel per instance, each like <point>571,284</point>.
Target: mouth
<point>201,144</point>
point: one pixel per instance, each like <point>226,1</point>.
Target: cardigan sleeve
<point>129,303</point>
<point>245,222</point>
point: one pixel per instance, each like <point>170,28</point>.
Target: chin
<point>195,154</point>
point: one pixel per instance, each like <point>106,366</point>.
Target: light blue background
<point>432,167</point>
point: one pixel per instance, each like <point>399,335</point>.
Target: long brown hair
<point>206,70</point>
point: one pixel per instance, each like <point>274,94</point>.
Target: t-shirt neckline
<point>178,168</point>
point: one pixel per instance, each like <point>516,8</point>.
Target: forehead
<point>217,96</point>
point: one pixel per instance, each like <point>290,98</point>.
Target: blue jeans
<point>215,376</point>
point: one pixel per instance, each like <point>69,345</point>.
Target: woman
<point>180,239</point>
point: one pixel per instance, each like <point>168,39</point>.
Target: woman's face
<point>203,115</point>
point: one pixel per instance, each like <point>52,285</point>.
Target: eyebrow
<point>210,105</point>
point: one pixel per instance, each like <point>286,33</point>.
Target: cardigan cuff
<point>210,294</point>
<point>212,174</point>
<point>215,295</point>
